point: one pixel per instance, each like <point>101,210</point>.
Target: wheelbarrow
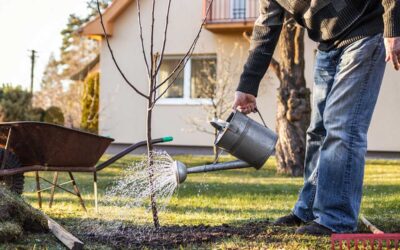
<point>37,146</point>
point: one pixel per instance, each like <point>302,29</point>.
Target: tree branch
<point>274,64</point>
<point>182,63</point>
<point>113,57</point>
<point>152,45</point>
<point>165,37</point>
<point>141,37</point>
<point>247,36</point>
<point>276,68</point>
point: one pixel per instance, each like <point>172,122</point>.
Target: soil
<point>173,236</point>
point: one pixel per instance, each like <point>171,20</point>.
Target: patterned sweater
<point>331,23</point>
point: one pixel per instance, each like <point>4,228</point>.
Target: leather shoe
<point>314,228</point>
<point>288,220</point>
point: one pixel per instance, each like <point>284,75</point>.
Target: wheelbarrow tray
<point>49,147</point>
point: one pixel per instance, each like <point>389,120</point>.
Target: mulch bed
<point>173,236</point>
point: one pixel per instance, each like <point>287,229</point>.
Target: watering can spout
<point>218,124</point>
<point>240,136</point>
<point>182,171</point>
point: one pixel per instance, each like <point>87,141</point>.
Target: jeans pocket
<point>361,50</point>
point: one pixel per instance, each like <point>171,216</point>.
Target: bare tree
<point>52,93</point>
<point>217,85</point>
<point>72,109</point>
<point>75,53</point>
<point>293,114</point>
<point>153,61</point>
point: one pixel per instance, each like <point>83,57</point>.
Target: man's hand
<point>245,103</point>
<point>392,46</point>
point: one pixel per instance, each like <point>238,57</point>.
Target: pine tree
<point>75,53</point>
<point>51,90</point>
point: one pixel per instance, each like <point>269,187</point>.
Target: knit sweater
<point>331,23</point>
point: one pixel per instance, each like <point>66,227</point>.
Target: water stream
<point>127,200</point>
<point>133,187</point>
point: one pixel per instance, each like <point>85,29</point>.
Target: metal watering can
<point>242,137</point>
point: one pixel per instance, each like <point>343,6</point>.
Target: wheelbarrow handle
<point>129,150</point>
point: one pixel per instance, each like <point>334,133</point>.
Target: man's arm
<point>391,19</point>
<point>265,36</point>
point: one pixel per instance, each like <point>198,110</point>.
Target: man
<point>352,37</point>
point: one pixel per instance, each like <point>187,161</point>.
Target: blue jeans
<point>346,88</point>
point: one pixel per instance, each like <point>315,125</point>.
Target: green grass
<point>231,197</point>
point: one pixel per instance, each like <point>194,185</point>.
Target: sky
<point>27,25</point>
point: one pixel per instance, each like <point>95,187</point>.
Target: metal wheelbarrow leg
<point>38,146</point>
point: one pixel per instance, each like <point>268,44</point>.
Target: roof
<point>93,28</point>
<point>82,73</point>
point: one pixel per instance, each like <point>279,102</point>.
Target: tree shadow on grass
<point>219,190</point>
<point>181,210</point>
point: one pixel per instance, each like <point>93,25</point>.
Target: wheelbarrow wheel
<point>13,182</point>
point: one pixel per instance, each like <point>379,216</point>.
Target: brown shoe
<point>288,220</point>
<point>314,228</point>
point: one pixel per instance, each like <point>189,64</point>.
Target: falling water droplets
<point>134,188</point>
<point>130,194</point>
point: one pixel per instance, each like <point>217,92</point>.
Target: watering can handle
<point>262,119</point>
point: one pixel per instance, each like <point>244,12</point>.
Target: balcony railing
<point>231,11</point>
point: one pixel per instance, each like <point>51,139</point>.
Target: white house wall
<point>123,113</point>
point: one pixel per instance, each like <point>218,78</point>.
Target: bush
<point>90,103</point>
<point>37,114</point>
<point>15,103</point>
<point>54,115</point>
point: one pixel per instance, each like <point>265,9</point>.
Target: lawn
<point>247,200</point>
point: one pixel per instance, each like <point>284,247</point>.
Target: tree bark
<point>293,114</point>
<point>150,168</point>
<point>150,105</point>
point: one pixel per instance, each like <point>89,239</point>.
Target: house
<point>122,112</point>
<point>92,67</point>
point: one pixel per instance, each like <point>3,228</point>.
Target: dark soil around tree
<point>175,236</point>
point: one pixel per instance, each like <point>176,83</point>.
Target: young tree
<point>293,114</point>
<point>156,88</point>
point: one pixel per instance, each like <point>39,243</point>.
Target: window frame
<point>187,74</point>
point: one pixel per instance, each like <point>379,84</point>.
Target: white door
<point>238,9</point>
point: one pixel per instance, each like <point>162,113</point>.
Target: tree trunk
<point>150,164</point>
<point>293,114</point>
<point>150,105</point>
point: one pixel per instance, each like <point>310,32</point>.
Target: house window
<point>176,90</point>
<point>193,84</point>
<point>238,9</point>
